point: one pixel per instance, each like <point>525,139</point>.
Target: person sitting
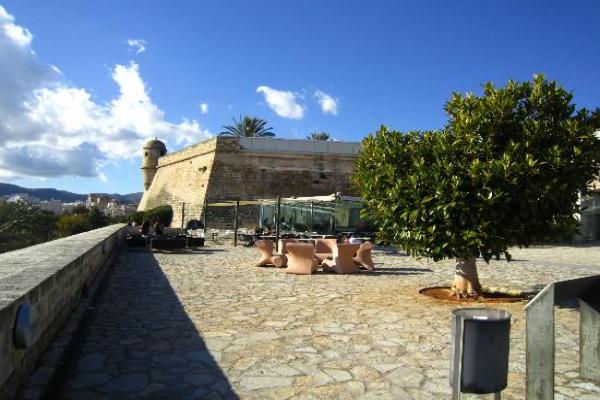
<point>157,228</point>
<point>145,228</point>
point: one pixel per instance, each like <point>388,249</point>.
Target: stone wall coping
<point>300,155</point>
<point>22,270</point>
<point>299,146</point>
<point>186,153</point>
<point>260,144</point>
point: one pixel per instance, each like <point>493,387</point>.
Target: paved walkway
<point>209,325</point>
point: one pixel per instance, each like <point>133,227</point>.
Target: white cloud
<point>49,128</point>
<point>329,104</point>
<point>282,102</point>
<point>139,45</point>
<point>204,108</point>
<point>43,160</point>
<point>17,34</point>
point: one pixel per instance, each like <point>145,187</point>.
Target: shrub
<point>72,224</point>
<point>162,214</point>
<point>137,217</point>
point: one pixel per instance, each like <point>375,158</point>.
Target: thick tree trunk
<point>466,280</point>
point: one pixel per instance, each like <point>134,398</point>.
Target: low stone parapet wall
<point>50,277</point>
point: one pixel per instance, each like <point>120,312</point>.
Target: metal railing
<point>540,333</point>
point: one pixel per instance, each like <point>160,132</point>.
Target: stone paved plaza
<point>207,325</point>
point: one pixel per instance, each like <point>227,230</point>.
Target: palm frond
<point>323,136</point>
<point>248,127</point>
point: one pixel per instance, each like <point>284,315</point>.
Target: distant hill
<point>7,189</point>
<point>133,197</point>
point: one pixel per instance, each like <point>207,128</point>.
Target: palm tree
<point>324,136</point>
<point>248,127</point>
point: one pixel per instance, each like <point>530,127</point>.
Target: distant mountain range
<point>6,189</point>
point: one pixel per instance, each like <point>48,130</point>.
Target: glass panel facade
<point>322,217</point>
<point>590,218</point>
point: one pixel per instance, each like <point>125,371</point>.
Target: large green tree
<point>248,127</point>
<point>506,171</point>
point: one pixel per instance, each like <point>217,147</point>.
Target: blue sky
<point>86,100</point>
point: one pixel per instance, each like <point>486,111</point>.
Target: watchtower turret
<point>152,151</point>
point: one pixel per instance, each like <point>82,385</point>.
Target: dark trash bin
<point>480,345</point>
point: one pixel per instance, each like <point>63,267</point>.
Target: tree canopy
<point>81,219</point>
<point>23,225</point>
<point>248,127</point>
<point>506,170</point>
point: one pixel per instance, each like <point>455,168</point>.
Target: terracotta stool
<point>363,256</point>
<point>342,259</point>
<point>324,248</point>
<point>301,259</point>
<point>283,243</point>
<point>267,257</point>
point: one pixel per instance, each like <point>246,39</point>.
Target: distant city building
<point>115,209</point>
<point>100,201</point>
<point>25,197</point>
<point>107,205</point>
<point>56,206</point>
<point>68,207</point>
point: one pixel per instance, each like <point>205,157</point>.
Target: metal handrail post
<point>235,222</point>
<point>277,222</point>
<point>540,345</point>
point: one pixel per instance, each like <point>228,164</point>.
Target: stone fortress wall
<point>182,177</point>
<point>223,168</point>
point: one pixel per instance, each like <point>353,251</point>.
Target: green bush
<point>71,224</point>
<point>162,214</point>
<point>137,217</point>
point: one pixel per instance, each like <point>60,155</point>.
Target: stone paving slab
<point>209,325</point>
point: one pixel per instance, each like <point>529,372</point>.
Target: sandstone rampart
<point>249,168</point>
